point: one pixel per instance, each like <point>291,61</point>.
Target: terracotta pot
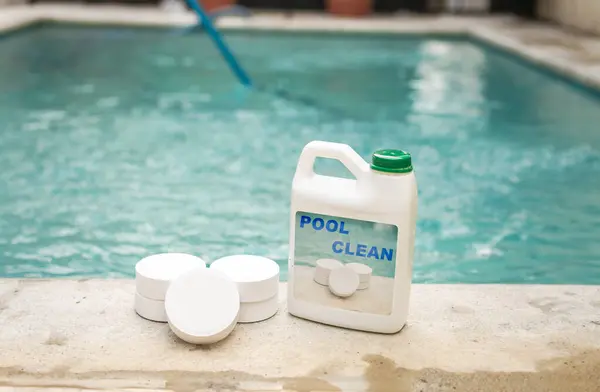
<point>350,7</point>
<point>214,5</point>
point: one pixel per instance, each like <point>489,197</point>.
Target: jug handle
<point>338,151</point>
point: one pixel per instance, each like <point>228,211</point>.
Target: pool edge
<point>85,334</point>
<point>506,32</point>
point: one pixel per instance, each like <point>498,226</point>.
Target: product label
<point>326,243</point>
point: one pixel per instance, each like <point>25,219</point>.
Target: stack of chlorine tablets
<point>257,279</point>
<point>203,305</point>
<point>343,280</point>
<point>153,274</point>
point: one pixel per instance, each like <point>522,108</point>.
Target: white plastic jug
<point>369,220</point>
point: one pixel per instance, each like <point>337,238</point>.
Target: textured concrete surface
<point>85,334</point>
<point>568,52</point>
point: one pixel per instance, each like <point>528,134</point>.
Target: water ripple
<point>104,164</point>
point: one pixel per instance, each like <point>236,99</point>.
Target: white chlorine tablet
<point>251,312</point>
<point>202,306</point>
<point>364,274</point>
<point>324,268</point>
<point>150,309</point>
<point>154,273</point>
<point>343,282</point>
<point>257,277</point>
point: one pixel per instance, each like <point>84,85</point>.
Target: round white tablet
<point>343,282</point>
<point>154,273</point>
<point>257,277</point>
<point>150,309</point>
<point>251,312</point>
<point>324,268</point>
<point>364,274</point>
<point>202,306</point>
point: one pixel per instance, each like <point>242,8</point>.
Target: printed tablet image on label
<point>323,243</point>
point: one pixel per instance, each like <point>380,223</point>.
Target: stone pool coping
<point>84,334</point>
<point>567,52</point>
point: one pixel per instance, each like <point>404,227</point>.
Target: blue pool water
<point>119,143</point>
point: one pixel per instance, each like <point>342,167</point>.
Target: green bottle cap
<point>391,161</point>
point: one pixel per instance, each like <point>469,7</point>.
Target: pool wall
<point>568,53</point>
<point>579,14</point>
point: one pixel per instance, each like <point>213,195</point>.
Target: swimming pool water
<point>118,143</point>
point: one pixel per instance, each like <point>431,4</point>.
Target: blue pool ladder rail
<point>220,43</point>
